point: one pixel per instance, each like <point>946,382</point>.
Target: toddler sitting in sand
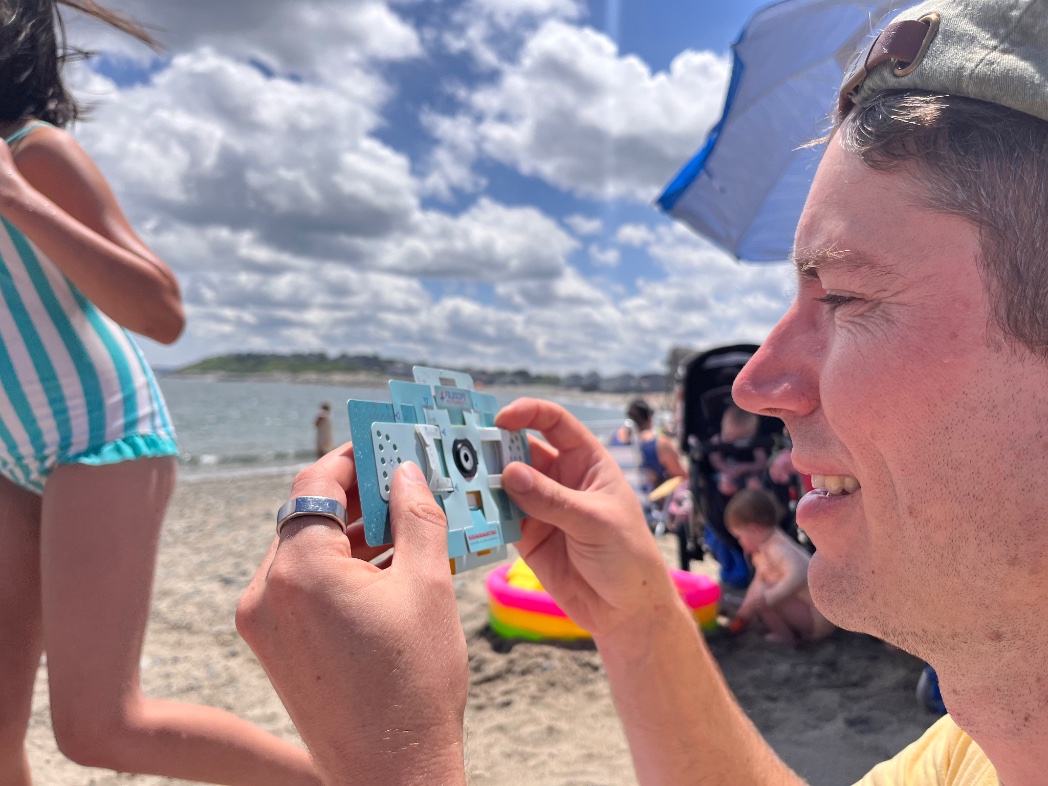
<point>778,594</point>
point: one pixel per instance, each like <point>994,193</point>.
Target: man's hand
<point>370,662</point>
<point>587,542</point>
<point>585,535</point>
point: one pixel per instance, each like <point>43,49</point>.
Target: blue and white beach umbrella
<point>745,188</point>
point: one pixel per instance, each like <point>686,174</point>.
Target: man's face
<point>890,375</point>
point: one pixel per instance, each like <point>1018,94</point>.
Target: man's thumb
<point>542,498</point>
<point>420,528</point>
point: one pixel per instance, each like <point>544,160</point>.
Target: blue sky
<point>467,182</point>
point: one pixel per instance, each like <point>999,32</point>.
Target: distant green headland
<point>318,367</point>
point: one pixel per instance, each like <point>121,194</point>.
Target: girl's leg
<point>101,529</point>
<point>20,630</point>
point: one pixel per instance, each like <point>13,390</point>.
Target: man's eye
<point>836,301</point>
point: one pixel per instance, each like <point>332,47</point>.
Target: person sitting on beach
<point>917,331</point>
<point>737,462</point>
<point>87,449</point>
<point>659,462</point>
<point>623,435</point>
<point>778,594</point>
<point>659,458</point>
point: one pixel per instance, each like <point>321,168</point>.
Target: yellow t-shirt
<point>943,756</point>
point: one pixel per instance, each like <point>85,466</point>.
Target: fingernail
<point>412,474</point>
<point>518,480</point>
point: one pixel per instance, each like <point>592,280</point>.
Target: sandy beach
<point>538,714</point>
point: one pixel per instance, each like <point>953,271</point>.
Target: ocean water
<point>231,429</point>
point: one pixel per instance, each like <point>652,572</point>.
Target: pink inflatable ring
<point>521,609</point>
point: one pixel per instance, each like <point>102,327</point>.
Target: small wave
<point>201,467</point>
<point>219,473</point>
<point>187,459</point>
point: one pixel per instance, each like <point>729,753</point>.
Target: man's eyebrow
<point>810,261</point>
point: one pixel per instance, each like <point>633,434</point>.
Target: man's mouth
<point>835,485</point>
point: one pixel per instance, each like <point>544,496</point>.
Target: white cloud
<point>449,166</point>
<point>636,235</point>
<point>212,141</point>
<point>487,29</point>
<point>313,306</point>
<point>604,257</point>
<point>563,294</point>
<point>258,180</point>
<point>319,37</point>
<point>507,12</point>
<point>708,298</point>
<point>574,112</point>
<point>584,225</point>
<point>489,242</point>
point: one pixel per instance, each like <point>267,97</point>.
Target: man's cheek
<point>877,386</point>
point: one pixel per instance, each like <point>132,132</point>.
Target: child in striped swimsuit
<point>74,387</point>
<point>87,450</point>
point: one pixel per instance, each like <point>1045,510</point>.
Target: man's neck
<point>1001,700</point>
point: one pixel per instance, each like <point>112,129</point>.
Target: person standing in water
<point>325,433</point>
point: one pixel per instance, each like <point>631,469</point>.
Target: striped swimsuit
<point>74,386</point>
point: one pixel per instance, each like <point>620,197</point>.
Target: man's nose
<point>782,377</point>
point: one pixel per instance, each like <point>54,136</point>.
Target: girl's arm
<point>52,192</point>
<point>667,454</point>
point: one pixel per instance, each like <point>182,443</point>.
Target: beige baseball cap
<point>990,50</point>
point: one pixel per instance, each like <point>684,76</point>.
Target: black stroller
<point>704,380</point>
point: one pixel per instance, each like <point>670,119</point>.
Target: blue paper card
<point>443,424</point>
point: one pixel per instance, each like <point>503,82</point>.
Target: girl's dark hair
<point>639,411</point>
<point>33,50</point>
